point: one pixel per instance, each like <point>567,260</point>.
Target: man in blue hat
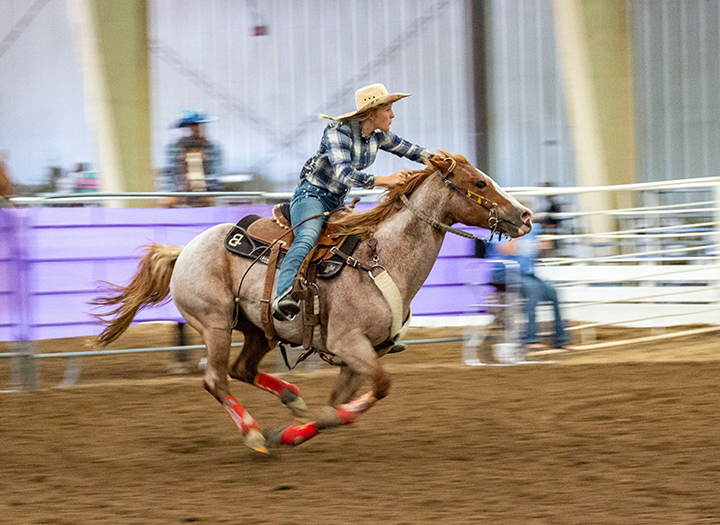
<point>194,162</point>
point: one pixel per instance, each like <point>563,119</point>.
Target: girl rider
<point>349,144</point>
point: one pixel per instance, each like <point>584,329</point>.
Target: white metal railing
<point>601,275</point>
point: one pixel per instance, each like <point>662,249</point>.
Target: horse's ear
<point>442,161</point>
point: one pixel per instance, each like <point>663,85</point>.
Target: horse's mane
<point>364,223</point>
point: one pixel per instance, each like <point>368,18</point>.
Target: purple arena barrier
<point>53,259</point>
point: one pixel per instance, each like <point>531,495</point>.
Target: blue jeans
<point>534,290</point>
<point>307,201</point>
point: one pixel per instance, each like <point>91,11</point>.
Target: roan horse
<point>408,225</point>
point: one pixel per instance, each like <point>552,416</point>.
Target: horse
<point>406,231</point>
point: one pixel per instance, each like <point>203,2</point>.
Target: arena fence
<point>653,264</point>
<point>54,252</point>
<point>658,267</point>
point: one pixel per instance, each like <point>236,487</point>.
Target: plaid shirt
<point>344,152</point>
<point>173,177</point>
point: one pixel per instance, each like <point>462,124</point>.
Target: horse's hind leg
<point>218,343</point>
<point>245,368</point>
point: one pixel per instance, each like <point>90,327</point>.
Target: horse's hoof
<point>256,441</point>
<point>295,403</point>
<point>328,418</point>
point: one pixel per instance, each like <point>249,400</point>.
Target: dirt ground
<point>626,435</point>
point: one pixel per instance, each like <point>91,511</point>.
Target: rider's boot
<point>284,307</point>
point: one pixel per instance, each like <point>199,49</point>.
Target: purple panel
<point>66,216</point>
<point>9,285</point>
<point>61,308</point>
<point>234,213</point>
<point>74,248</point>
<point>5,245</point>
<point>448,299</point>
<point>114,271</point>
<point>454,245</point>
<point>458,270</point>
<point>6,305</point>
<point>62,331</point>
<point>78,242</point>
<point>6,281</point>
<point>61,276</point>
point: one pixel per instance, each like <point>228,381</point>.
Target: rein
<point>493,220</point>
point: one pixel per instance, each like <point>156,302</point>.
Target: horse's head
<point>480,201</point>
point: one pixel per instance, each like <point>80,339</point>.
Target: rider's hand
<point>396,179</point>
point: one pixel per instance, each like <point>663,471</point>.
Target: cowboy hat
<point>192,116</point>
<point>367,98</point>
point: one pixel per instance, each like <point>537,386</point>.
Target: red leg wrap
<point>241,416</point>
<point>349,411</point>
<point>274,385</point>
<point>294,435</point>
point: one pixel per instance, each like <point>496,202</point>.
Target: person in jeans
<point>533,290</point>
<point>349,145</point>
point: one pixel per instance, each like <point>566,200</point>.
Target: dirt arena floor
<point>629,435</point>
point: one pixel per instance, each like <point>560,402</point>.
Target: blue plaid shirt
<point>344,152</point>
<point>173,177</point>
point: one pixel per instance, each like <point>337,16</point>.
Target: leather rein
<point>493,220</point>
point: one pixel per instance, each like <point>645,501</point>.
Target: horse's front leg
<point>357,352</point>
<point>347,384</point>
<point>355,349</point>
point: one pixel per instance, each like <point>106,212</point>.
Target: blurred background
<point>533,91</point>
<point>604,115</point>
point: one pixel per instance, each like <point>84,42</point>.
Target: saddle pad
<point>238,242</point>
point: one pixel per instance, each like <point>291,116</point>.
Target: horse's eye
<point>481,184</point>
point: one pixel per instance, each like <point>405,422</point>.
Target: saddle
<point>267,239</point>
<point>253,235</point>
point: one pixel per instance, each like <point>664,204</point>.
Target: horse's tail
<point>150,286</point>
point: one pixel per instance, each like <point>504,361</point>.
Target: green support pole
<point>114,43</point>
<point>593,42</point>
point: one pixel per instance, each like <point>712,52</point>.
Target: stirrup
<point>285,308</point>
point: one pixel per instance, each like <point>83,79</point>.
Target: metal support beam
<point>114,48</point>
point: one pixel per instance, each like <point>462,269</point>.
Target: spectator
<point>194,162</point>
<point>551,223</point>
<point>6,187</point>
<point>533,290</point>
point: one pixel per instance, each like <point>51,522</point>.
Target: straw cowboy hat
<point>367,98</point>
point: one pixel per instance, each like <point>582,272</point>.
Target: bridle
<point>493,221</point>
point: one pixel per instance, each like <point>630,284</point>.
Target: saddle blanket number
<point>235,240</point>
<point>238,242</point>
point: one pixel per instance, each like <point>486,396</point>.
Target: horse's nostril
<point>526,215</point>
